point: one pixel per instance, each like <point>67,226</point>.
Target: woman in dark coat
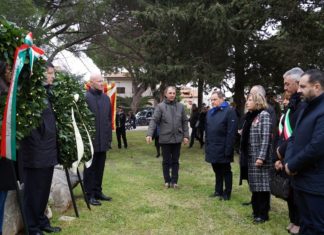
<point>221,128</point>
<point>256,144</point>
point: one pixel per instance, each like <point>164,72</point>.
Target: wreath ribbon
<point>8,130</point>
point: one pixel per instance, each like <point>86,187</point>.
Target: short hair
<point>219,94</point>
<point>294,73</point>
<point>259,100</point>
<point>169,87</point>
<point>260,89</point>
<point>315,75</point>
<point>49,65</point>
<point>286,95</point>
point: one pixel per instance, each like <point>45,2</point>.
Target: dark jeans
<point>193,136</point>
<point>311,210</point>
<point>157,145</point>
<point>121,133</point>
<point>37,189</point>
<point>201,137</point>
<point>261,204</point>
<point>171,155</point>
<point>292,208</point>
<point>223,173</point>
<point>93,175</point>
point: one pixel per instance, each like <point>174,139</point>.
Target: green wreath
<point>31,95</point>
<point>65,87</point>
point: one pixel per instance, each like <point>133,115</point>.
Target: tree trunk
<point>200,92</point>
<point>138,90</point>
<point>240,79</point>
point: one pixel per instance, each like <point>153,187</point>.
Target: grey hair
<point>260,89</point>
<point>219,94</point>
<point>294,73</point>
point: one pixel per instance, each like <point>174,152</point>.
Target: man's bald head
<point>96,81</point>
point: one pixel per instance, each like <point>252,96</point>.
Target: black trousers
<point>193,136</point>
<point>171,155</point>
<point>121,133</point>
<point>223,173</point>
<point>37,189</point>
<point>92,176</point>
<point>261,204</point>
<point>311,209</point>
<point>293,208</point>
<point>157,145</point>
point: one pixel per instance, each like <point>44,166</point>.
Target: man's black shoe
<point>103,197</point>
<point>50,229</point>
<point>215,195</point>
<point>259,220</point>
<point>246,203</point>
<point>94,202</point>
<point>37,233</point>
<point>226,197</point>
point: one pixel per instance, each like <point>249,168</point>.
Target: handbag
<point>279,183</point>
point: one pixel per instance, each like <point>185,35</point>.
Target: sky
<point>82,65</point>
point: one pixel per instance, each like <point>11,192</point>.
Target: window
<point>120,90</point>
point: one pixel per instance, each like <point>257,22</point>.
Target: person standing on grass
<point>287,125</point>
<point>156,135</point>
<point>39,152</point>
<point>221,129</point>
<point>120,127</point>
<point>171,117</point>
<point>201,127</point>
<point>99,105</point>
<point>256,147</point>
<point>304,159</point>
<point>194,117</point>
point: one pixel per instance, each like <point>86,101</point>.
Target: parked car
<point>143,117</point>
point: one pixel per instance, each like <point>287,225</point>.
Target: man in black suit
<point>120,127</point>
<point>99,104</point>
<point>40,154</point>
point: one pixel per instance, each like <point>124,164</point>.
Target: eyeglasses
<point>213,99</point>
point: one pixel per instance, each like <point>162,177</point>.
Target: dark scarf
<point>249,117</point>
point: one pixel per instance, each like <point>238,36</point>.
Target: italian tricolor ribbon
<point>286,127</point>
<point>8,131</point>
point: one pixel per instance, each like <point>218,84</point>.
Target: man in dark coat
<point>99,104</point>
<point>305,154</point>
<point>221,129</point>
<point>120,127</point>
<point>286,126</point>
<point>40,154</point>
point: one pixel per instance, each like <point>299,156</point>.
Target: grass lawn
<point>141,204</point>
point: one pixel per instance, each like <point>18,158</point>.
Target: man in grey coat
<point>171,117</point>
<point>99,104</point>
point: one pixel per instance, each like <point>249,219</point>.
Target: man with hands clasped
<point>171,117</point>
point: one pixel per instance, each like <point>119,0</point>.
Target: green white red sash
<point>8,130</point>
<point>286,127</point>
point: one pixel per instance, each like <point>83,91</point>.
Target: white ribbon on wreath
<point>79,141</point>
